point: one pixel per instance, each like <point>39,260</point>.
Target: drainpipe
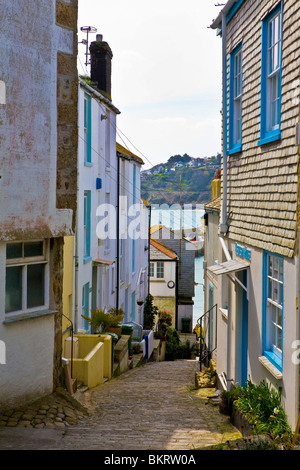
<point>76,257</point>
<point>223,225</point>
<point>149,236</point>
<point>118,231</point>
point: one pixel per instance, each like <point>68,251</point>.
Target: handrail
<point>207,349</point>
<point>72,333</point>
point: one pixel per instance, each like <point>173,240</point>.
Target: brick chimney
<point>101,56</point>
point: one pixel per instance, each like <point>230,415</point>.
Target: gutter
<point>98,95</point>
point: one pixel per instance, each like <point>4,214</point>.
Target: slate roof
<point>161,248</point>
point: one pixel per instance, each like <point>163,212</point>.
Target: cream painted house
<point>255,276</point>
<point>185,251</point>
<point>163,272</point>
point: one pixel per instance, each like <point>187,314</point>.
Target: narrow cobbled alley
<point>152,407</point>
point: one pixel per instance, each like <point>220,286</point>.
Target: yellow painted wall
<point>67,284</point>
<point>93,362</point>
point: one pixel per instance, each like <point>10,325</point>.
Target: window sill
<point>270,367</point>
<point>87,259</point>
<point>88,164</point>
<point>224,312</point>
<point>236,149</point>
<point>269,138</point>
<point>27,316</point>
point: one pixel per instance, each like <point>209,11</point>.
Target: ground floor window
<point>27,279</point>
<point>273,308</point>
<point>157,270</point>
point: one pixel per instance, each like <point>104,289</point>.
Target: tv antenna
<point>87,30</point>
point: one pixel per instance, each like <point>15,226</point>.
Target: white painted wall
<point>28,134</point>
<point>256,370</point>
<point>104,165</point>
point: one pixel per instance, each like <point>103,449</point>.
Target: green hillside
<point>162,184</point>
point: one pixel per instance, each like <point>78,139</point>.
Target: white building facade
<point>256,277</point>
<point>111,254</point>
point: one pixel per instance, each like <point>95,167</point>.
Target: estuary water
<point>190,219</point>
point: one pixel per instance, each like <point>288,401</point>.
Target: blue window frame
<point>235,101</point>
<point>271,76</point>
<point>273,284</point>
<point>133,306</point>
<point>133,252</point>
<point>87,129</point>
<point>87,226</point>
<point>134,184</point>
<point>85,301</point>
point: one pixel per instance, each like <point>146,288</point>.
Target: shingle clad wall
<point>263,180</point>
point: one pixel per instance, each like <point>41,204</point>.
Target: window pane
<point>35,285</point>
<point>151,269</point>
<point>14,250</point>
<point>33,249</point>
<point>160,270</point>
<point>13,294</point>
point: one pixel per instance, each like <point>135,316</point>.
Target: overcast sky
<point>166,74</point>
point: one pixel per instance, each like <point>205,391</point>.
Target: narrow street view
<point>150,226</point>
<point>152,407</point>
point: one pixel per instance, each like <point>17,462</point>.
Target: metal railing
<point>208,335</point>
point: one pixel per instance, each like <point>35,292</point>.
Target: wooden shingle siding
<point>263,180</point>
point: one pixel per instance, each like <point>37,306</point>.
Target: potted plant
<point>116,317</point>
<point>150,311</point>
<point>102,321</point>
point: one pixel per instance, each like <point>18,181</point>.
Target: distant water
<point>171,218</point>
<point>190,219</point>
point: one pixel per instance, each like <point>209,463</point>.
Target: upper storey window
<point>271,76</point>
<point>87,129</point>
<point>235,104</point>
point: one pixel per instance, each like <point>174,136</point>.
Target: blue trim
<point>87,222</point>
<point>133,184</point>
<point>234,148</point>
<point>225,150</point>
<point>88,125</point>
<point>273,358</point>
<point>85,303</point>
<point>133,253</point>
<point>273,135</point>
<point>133,306</point>
<point>233,10</point>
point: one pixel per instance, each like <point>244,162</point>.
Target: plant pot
<point>115,329</point>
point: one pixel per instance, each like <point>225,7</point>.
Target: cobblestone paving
<point>153,407</point>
